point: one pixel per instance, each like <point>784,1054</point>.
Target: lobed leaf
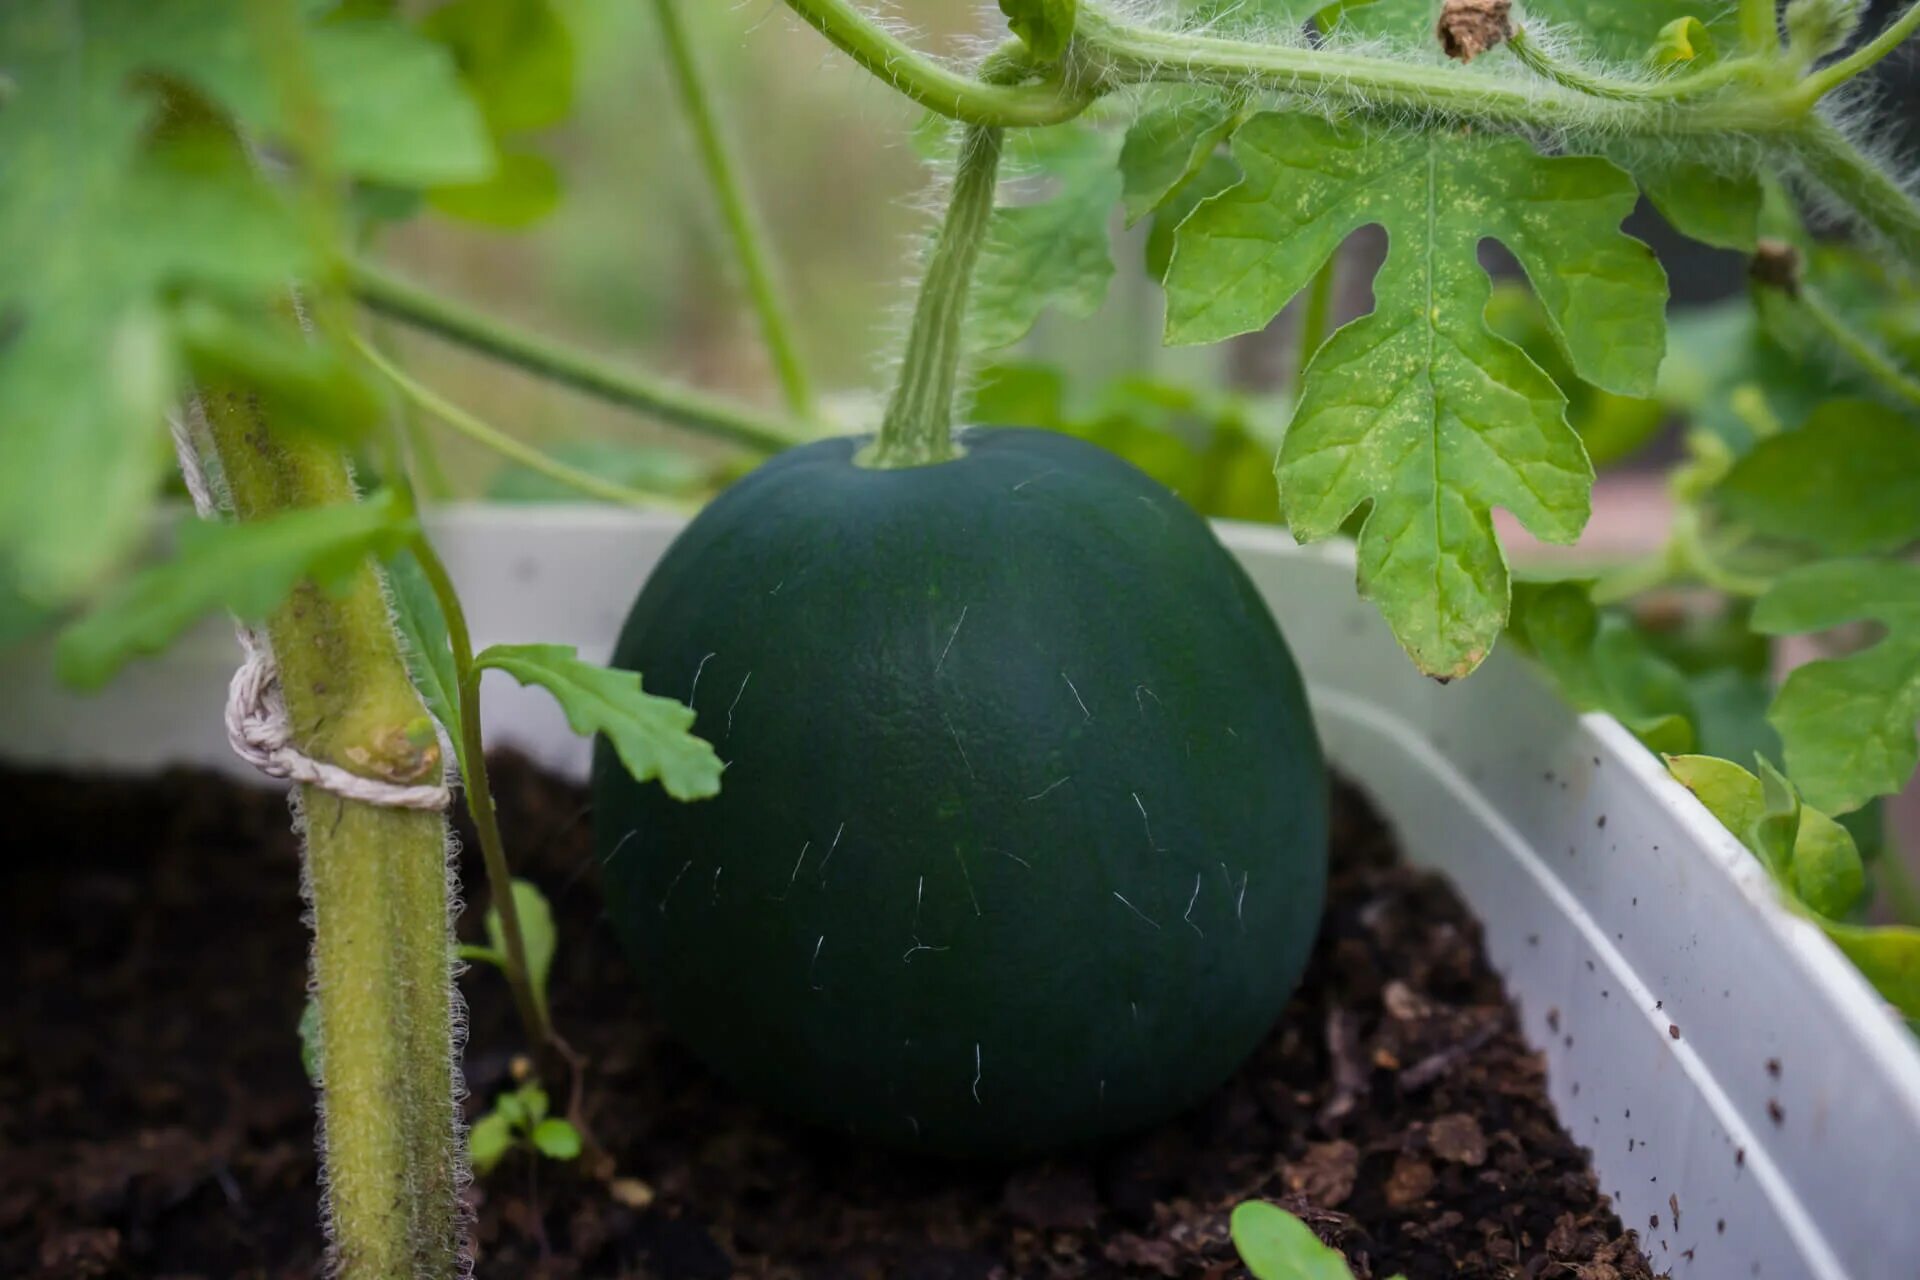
<point>1418,411</point>
<point>1052,252</point>
<point>247,568</point>
<point>1846,482</point>
<point>650,734</point>
<point>1848,724</point>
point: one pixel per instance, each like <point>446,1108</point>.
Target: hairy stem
<point>670,402</point>
<point>749,237</point>
<point>473,768</point>
<point>1117,54</point>
<point>918,427</point>
<point>1834,74</point>
<point>430,401</point>
<point>932,84</point>
<point>1673,88</point>
<point>377,882</point>
<point>1861,186</point>
<point>1860,349</point>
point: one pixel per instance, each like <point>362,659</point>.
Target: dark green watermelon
<point>1022,837</point>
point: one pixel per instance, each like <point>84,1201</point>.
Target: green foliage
<point>1848,723</point>
<point>1044,26</point>
<point>1052,252</point>
<point>1846,482</point>
<point>1420,409</point>
<point>519,1122</point>
<point>1275,1245</point>
<point>651,735</point>
<point>1612,427</point>
<point>1620,30</point>
<point>516,59</point>
<point>537,936</point>
<point>428,650</point>
<point>246,568</point>
<point>1814,861</point>
<point>1166,147</point>
<point>1602,663</point>
<point>1211,448</point>
<point>129,212</point>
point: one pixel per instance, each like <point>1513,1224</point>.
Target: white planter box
<point>1690,1006</point>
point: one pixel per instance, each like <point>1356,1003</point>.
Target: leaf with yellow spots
<point>1420,412</point>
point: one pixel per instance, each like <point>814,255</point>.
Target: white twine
<point>258,729</point>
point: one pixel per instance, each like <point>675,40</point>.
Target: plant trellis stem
<point>376,880</point>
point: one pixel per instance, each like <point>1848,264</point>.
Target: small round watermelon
<point>1022,836</point>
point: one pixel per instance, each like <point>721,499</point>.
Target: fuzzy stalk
<point>377,886</point>
<point>918,427</point>
<point>743,226</point>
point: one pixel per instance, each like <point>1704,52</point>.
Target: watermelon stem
<point>918,428</point>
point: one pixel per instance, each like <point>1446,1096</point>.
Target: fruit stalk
<point>376,881</point>
<point>918,427</point>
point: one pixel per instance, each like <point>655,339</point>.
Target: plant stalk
<point>670,402</point>
<point>748,235</point>
<point>376,881</point>
<point>500,442</point>
<point>1861,185</point>
<point>918,427</point>
<point>1830,77</point>
<point>933,85</point>
<point>486,822</point>
<point>1860,349</point>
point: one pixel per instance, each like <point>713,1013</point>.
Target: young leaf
<point>1167,146</point>
<point>1848,723</point>
<point>650,734</point>
<point>1684,42</point>
<point>246,568</point>
<point>1811,856</point>
<point>1888,956</point>
<point>1602,664</point>
<point>429,654</point>
<point>1050,253</point>
<point>1777,830</point>
<point>1275,1245</point>
<point>1419,409</point>
<point>1044,26</point>
<point>556,1140</point>
<point>536,932</point>
<point>1845,483</point>
<point>489,1141</point>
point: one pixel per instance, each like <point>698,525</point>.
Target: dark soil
<point>154,1119</point>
